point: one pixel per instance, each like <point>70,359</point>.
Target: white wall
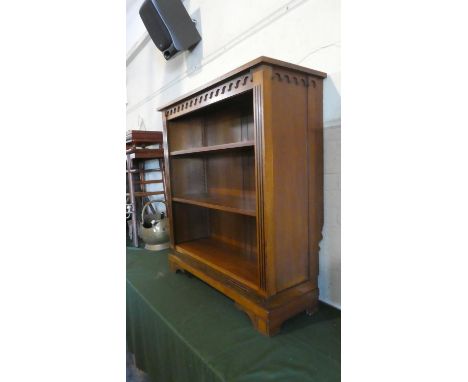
<point>304,32</point>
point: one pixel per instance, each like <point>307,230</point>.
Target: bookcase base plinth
<point>267,314</point>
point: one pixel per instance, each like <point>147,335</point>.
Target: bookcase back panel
<point>224,240</point>
<point>236,230</point>
<point>231,123</point>
<point>188,175</point>
<point>194,222</point>
<point>190,222</point>
<point>229,174</point>
<point>221,123</point>
<point>186,133</point>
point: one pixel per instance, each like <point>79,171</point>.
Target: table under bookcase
<point>181,329</point>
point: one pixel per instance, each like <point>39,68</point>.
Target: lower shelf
<point>225,258</point>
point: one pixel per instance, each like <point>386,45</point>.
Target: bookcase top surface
<point>249,65</point>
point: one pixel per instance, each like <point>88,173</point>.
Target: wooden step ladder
<point>138,153</point>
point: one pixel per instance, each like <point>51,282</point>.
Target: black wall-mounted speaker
<point>169,26</point>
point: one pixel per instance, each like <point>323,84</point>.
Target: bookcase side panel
<point>286,176</point>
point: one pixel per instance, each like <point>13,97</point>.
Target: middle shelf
<point>221,181</point>
<point>215,148</point>
<point>243,204</point>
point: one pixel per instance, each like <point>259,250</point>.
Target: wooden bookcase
<point>244,177</point>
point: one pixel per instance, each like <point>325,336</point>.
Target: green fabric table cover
<point>181,329</point>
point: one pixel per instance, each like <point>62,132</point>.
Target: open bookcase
<point>244,178</point>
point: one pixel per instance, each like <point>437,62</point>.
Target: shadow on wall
<point>330,247</point>
<point>195,56</point>
<point>331,100</point>
<point>188,63</point>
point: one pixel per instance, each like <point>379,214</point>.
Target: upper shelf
<point>208,149</point>
<point>242,204</point>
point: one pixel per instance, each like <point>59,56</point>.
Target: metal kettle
<point>155,230</point>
